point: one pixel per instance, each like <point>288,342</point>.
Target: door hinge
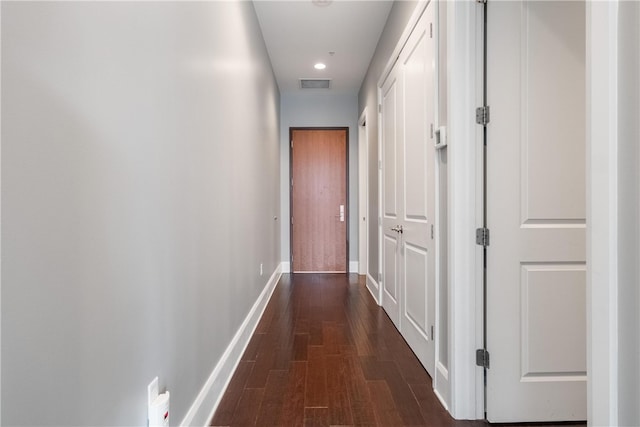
<point>380,164</point>
<point>482,358</point>
<point>430,30</point>
<point>483,115</point>
<point>292,143</point>
<point>431,332</point>
<point>432,231</point>
<point>379,278</point>
<point>379,108</point>
<point>291,220</point>
<point>291,182</point>
<point>431,130</point>
<point>482,236</point>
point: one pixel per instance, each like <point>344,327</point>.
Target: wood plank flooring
<point>324,354</point>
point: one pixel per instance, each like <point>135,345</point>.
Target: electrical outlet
<point>261,269</point>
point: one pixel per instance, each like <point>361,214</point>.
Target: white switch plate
<point>152,392</point>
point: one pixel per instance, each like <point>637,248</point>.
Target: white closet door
<point>408,160</point>
<point>392,139</point>
<point>536,320</point>
<point>417,184</point>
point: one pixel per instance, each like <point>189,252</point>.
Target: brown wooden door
<point>319,200</point>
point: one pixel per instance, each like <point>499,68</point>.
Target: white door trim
<point>363,193</point>
<point>464,56</point>
<point>602,215</point>
<point>379,219</point>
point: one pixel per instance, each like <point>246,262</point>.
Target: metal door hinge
<point>432,231</point>
<point>431,130</point>
<point>482,115</point>
<point>430,30</point>
<point>379,108</point>
<point>482,358</point>
<point>291,220</point>
<point>380,164</point>
<point>431,332</point>
<point>292,143</point>
<point>482,236</point>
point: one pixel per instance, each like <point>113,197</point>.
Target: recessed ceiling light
<point>319,66</point>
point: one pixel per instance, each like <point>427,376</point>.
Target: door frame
<point>363,195</point>
<point>346,206</point>
<point>465,46</point>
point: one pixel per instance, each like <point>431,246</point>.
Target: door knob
<point>397,229</point>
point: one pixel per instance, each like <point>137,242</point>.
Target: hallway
<point>325,354</point>
<point>146,212</point>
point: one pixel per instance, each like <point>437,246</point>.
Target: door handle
<point>397,229</point>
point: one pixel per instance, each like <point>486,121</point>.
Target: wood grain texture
<point>319,173</point>
<point>326,355</point>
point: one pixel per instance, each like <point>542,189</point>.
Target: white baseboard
<point>353,267</point>
<point>374,288</point>
<point>207,401</point>
<point>286,267</point>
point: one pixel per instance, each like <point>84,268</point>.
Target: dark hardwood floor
<point>324,354</point>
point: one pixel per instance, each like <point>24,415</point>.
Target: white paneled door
<point>536,281</point>
<point>392,138</point>
<point>408,117</point>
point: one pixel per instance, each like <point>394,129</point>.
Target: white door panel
<point>392,136</point>
<point>536,281</point>
<point>408,106</point>
<point>418,187</point>
<point>390,283</point>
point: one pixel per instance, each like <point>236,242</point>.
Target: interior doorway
<point>318,189</point>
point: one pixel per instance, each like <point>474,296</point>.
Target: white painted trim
<point>286,267</point>
<point>404,37</point>
<point>443,391</point>
<point>465,258</point>
<point>378,273</point>
<point>441,385</point>
<point>363,193</point>
<point>205,404</point>
<point>602,214</point>
<point>373,288</point>
<point>353,267</point>
<point>0,228</point>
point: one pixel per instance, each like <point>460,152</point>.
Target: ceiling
<point>301,33</point>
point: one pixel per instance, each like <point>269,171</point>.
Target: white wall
<point>140,179</point>
<point>319,109</point>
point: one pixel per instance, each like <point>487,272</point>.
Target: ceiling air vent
<point>315,83</point>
